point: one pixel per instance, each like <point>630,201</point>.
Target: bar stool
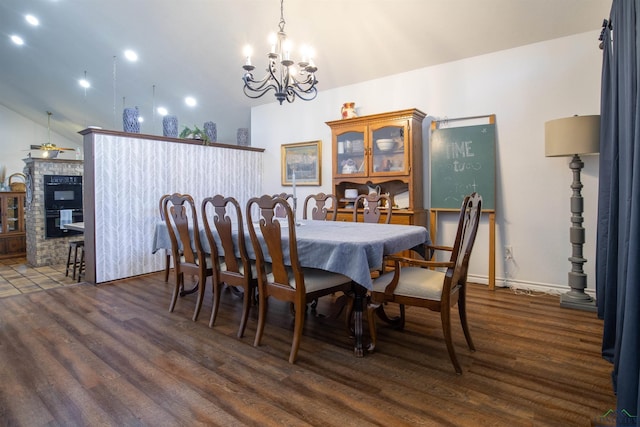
<point>76,263</point>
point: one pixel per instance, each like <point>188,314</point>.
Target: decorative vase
<point>170,126</point>
<point>211,131</point>
<point>348,110</point>
<point>243,136</point>
<point>130,121</point>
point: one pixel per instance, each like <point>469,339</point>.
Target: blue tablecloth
<point>349,248</point>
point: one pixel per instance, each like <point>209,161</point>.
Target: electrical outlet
<point>508,252</point>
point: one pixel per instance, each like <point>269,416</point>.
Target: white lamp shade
<point>572,135</point>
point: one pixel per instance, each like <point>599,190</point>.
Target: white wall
<point>17,133</point>
<point>524,87</point>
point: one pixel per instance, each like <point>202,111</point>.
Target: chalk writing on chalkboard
<point>462,161</point>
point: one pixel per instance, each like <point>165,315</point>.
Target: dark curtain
<point>618,238</point>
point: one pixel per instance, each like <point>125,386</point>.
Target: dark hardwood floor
<point>112,355</point>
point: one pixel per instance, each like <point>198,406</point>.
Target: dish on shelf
<point>385,144</point>
<point>351,193</point>
<point>401,200</point>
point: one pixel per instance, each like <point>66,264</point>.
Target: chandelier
<point>283,77</point>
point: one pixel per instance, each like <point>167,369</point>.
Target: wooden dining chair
<point>188,256</point>
<point>371,206</point>
<point>167,259</point>
<point>287,281</point>
<point>289,198</point>
<point>233,267</point>
<point>317,204</point>
<point>422,286</point>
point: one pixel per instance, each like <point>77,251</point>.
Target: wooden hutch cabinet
<point>382,152</point>
<point>13,240</point>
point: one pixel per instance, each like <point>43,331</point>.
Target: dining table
<point>353,249</point>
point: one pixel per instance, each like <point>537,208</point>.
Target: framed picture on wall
<point>303,161</point>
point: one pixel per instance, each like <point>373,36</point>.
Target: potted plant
<point>195,133</point>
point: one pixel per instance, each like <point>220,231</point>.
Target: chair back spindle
<point>372,206</point>
<point>280,213</point>
<point>319,209</point>
<point>468,222</point>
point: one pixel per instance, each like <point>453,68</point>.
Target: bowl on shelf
<point>385,144</point>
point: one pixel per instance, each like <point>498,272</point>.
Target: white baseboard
<point>547,288</point>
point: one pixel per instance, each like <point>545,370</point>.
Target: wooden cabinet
<point>13,240</point>
<point>381,151</point>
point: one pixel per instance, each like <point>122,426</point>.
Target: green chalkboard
<point>463,160</point>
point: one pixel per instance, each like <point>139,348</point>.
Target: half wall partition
<point>126,174</point>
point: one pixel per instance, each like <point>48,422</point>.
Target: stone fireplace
<point>40,250</point>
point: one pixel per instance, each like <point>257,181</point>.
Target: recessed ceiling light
<point>130,55</point>
<point>190,101</point>
<point>17,40</point>
<point>162,111</point>
<point>32,20</point>
<point>84,83</point>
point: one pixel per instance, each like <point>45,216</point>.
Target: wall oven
<point>62,203</point>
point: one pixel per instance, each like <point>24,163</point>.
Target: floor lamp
<point>570,137</point>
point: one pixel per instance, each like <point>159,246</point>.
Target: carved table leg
<point>359,297</point>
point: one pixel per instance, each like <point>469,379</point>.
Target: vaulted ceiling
<point>194,47</point>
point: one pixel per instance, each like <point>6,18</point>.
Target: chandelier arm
<point>260,88</point>
<point>306,95</point>
<point>256,88</point>
<point>306,86</point>
<point>257,94</point>
<point>309,79</point>
<point>256,84</point>
<point>261,91</point>
<point>270,78</point>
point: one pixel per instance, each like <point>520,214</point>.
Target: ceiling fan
<point>50,147</point>
<point>50,150</point>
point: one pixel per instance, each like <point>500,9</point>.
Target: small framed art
<point>301,163</point>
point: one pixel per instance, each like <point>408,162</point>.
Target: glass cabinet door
<point>1,216</point>
<point>350,154</point>
<point>389,150</point>
<point>12,213</point>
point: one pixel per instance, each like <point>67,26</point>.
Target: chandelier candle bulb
<point>248,51</point>
<point>287,50</point>
<point>293,184</point>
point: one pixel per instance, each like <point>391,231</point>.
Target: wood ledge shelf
<point>167,139</point>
